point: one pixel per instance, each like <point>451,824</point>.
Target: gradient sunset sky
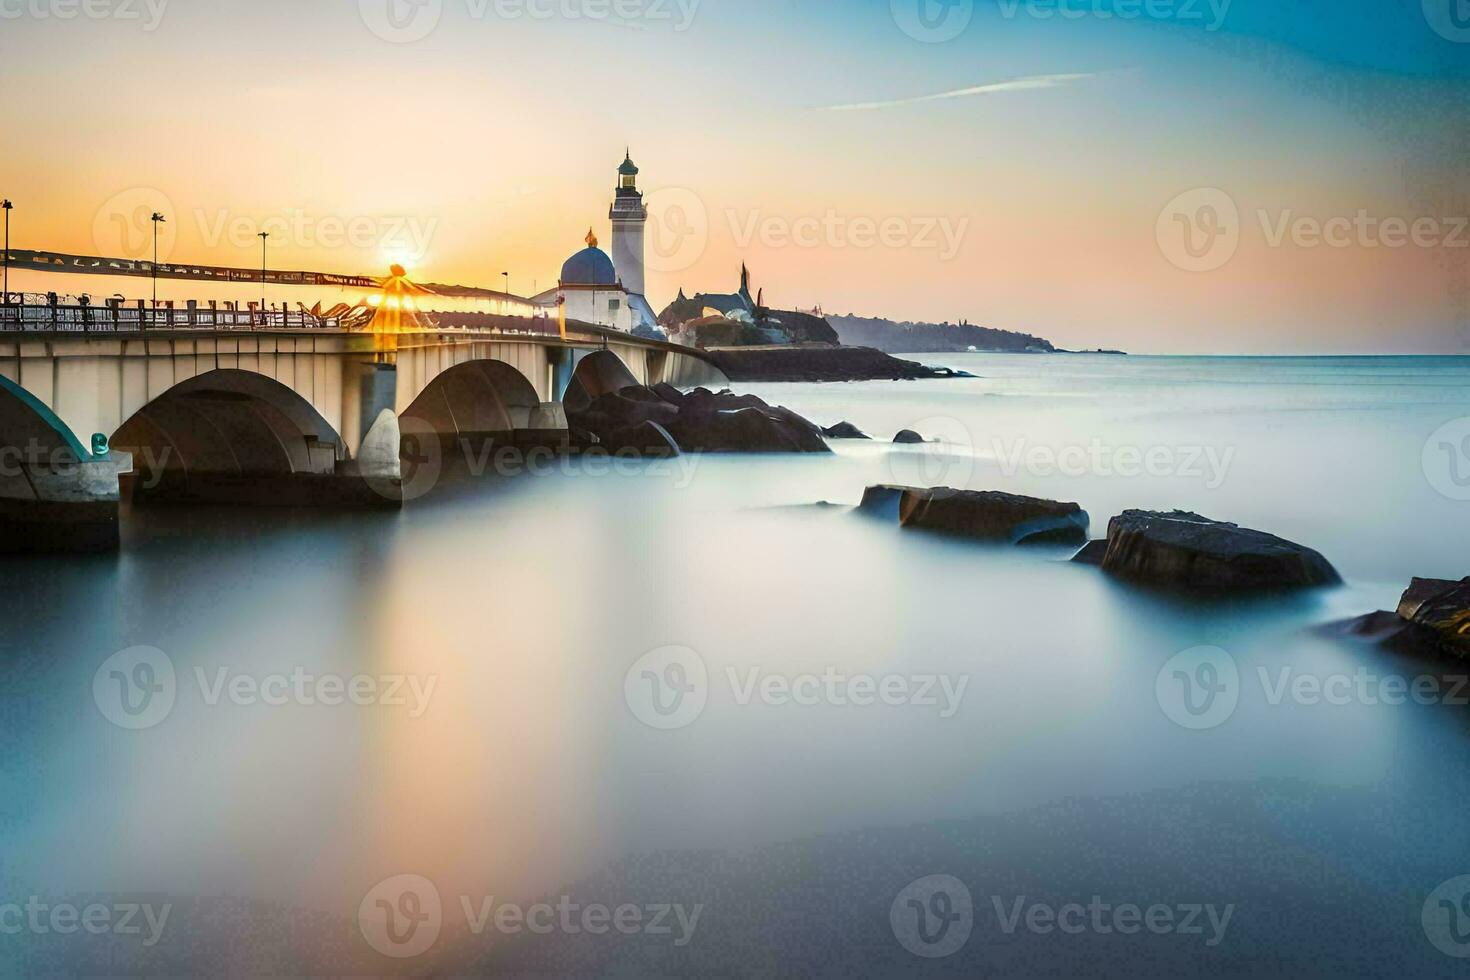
<point>1064,155</point>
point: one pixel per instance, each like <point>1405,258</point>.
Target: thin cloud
<point>993,88</point>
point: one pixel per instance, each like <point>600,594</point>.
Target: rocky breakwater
<point>613,412</point>
<point>1184,550</point>
<point>982,515</point>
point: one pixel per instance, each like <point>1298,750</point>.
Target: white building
<point>596,289</point>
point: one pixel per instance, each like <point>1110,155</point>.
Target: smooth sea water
<point>1061,766</point>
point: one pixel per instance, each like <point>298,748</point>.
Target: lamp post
<point>7,206</point>
<point>507,292</point>
<point>157,220</point>
<point>263,236</point>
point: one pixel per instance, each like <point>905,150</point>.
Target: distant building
<point>737,319</point>
<point>597,288</point>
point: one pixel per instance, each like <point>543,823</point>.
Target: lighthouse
<point>629,215</point>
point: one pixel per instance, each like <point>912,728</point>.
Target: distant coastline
<point>915,337</point>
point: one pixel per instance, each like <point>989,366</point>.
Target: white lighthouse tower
<point>628,215</point>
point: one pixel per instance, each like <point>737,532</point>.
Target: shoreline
<point>820,364</point>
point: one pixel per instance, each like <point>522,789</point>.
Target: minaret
<point>628,216</point>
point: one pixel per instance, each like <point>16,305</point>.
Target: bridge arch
<point>27,422</point>
<point>479,397</point>
<point>227,425</point>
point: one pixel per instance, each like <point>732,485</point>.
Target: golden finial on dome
<point>591,239</point>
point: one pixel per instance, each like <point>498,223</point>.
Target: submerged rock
<point>1189,551</point>
<point>993,516</point>
<point>1092,554</point>
<point>883,500</point>
<point>845,430</point>
<point>908,437</point>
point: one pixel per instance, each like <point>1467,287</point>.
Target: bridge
<point>269,407</point>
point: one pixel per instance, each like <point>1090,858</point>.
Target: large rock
<point>599,373</point>
<point>1192,552</point>
<point>845,430</point>
<point>993,516</point>
<point>1441,607</point>
<point>908,437</point>
<point>746,430</point>
<point>644,439</point>
<point>884,500</point>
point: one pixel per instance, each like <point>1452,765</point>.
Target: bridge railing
<point>24,313</point>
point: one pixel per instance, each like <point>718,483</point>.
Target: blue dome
<point>589,267</point>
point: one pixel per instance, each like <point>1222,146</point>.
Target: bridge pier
<point>60,505</point>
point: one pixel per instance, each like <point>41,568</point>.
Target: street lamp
<point>7,206</point>
<point>263,236</point>
<point>157,220</point>
<point>507,291</point>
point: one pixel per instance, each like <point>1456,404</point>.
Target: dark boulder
<point>668,393</point>
<point>993,516</point>
<point>697,421</point>
<point>908,437</point>
<point>646,439</point>
<point>883,501</point>
<point>623,409</point>
<point>745,430</point>
<point>845,430</point>
<point>1092,554</point>
<point>1443,608</point>
<point>1188,551</point>
<point>599,373</point>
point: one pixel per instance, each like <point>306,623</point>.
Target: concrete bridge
<point>250,407</point>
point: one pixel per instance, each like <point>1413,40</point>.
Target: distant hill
<point>917,338</point>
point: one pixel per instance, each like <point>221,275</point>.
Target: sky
<point>1171,176</point>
